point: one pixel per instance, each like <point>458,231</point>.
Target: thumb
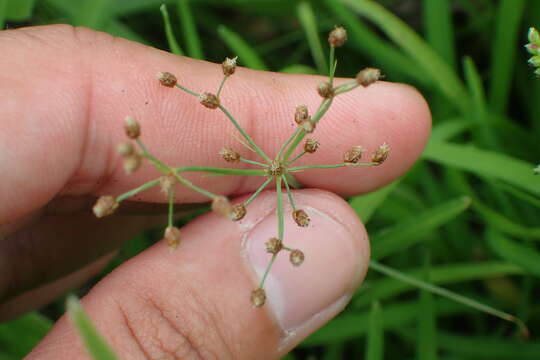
<point>195,302</point>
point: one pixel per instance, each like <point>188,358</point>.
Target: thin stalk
<point>284,145</point>
<point>289,193</point>
<point>345,87</point>
<point>279,209</point>
<point>223,171</point>
<point>171,207</point>
<point>298,168</point>
<point>161,166</point>
<point>254,195</point>
<point>332,65</point>
<point>221,85</point>
<point>252,162</point>
<point>194,187</point>
<point>187,90</point>
<point>255,147</point>
<point>137,190</point>
<point>448,294</point>
<point>296,157</point>
<point>267,271</point>
<point>323,108</point>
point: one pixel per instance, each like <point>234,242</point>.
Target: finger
<point>195,301</point>
<point>67,104</point>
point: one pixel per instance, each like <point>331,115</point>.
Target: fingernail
<point>319,288</point>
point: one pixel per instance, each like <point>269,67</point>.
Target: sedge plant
<point>277,171</point>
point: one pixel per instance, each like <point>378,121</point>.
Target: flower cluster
<point>533,47</point>
<point>277,171</point>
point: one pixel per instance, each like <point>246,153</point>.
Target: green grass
<point>463,222</point>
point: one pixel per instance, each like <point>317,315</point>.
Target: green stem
<point>247,161</point>
<point>279,209</point>
<point>255,147</point>
<point>298,168</point>
<point>254,195</point>
<point>187,90</point>
<point>332,65</point>
<point>161,166</point>
<point>217,170</point>
<point>284,146</point>
<point>221,85</point>
<point>171,207</point>
<point>267,271</point>
<point>345,87</point>
<point>447,293</point>
<point>192,186</point>
<point>137,190</point>
<point>289,192</point>
<point>296,157</point>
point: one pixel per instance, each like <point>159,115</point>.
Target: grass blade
<point>171,38</point>
<point>18,337</point>
<point>504,224</point>
<point>434,66</point>
<point>191,35</point>
<point>366,205</point>
<point>439,28</point>
<point>412,230</point>
<point>298,69</point>
<point>246,54</point>
<point>439,275</point>
<point>426,346</point>
<point>93,14</point>
<point>93,341</point>
<point>18,10</point>
<point>503,52</point>
<point>383,269</point>
<point>484,163</point>
<point>309,22</point>
<point>3,13</point>
<point>514,252</point>
<point>375,335</point>
<point>447,129</point>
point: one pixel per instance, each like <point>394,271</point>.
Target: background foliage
<point>466,216</point>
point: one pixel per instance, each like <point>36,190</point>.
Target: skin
<point>64,92</point>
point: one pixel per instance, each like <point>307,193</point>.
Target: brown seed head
<point>274,245</point>
<point>368,76</point>
<point>381,154</point>
<point>353,155</point>
<point>132,128</point>
<point>209,100</point>
<point>229,66</point>
<point>301,114</point>
<point>258,297</point>
<point>230,155</point>
<point>275,169</point>
<point>132,163</point>
<point>325,90</point>
<point>167,79</point>
<point>125,149</point>
<point>105,205</point>
<point>221,205</point>
<point>337,37</point>
<point>166,183</point>
<point>309,126</point>
<point>311,145</point>
<point>296,257</point>
<point>300,217</point>
<point>238,211</point>
<point>172,235</point>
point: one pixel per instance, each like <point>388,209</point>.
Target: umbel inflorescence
<point>277,171</point>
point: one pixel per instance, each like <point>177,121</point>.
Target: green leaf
<point>514,252</point>
<point>93,14</point>
<point>169,33</point>
<point>3,12</point>
<point>504,224</point>
<point>450,128</point>
<point>412,230</point>
<point>298,69</point>
<point>439,275</point>
<point>375,335</point>
<point>439,29</point>
<point>191,35</point>
<point>19,10</point>
<point>309,22</point>
<point>504,45</point>
<point>240,48</point>
<point>18,337</point>
<point>366,205</point>
<point>426,343</point>
<point>434,66</point>
<point>484,163</point>
<point>93,341</point>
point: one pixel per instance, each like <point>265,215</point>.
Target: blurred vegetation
<point>466,215</point>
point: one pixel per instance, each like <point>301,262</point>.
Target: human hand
<point>64,93</point>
